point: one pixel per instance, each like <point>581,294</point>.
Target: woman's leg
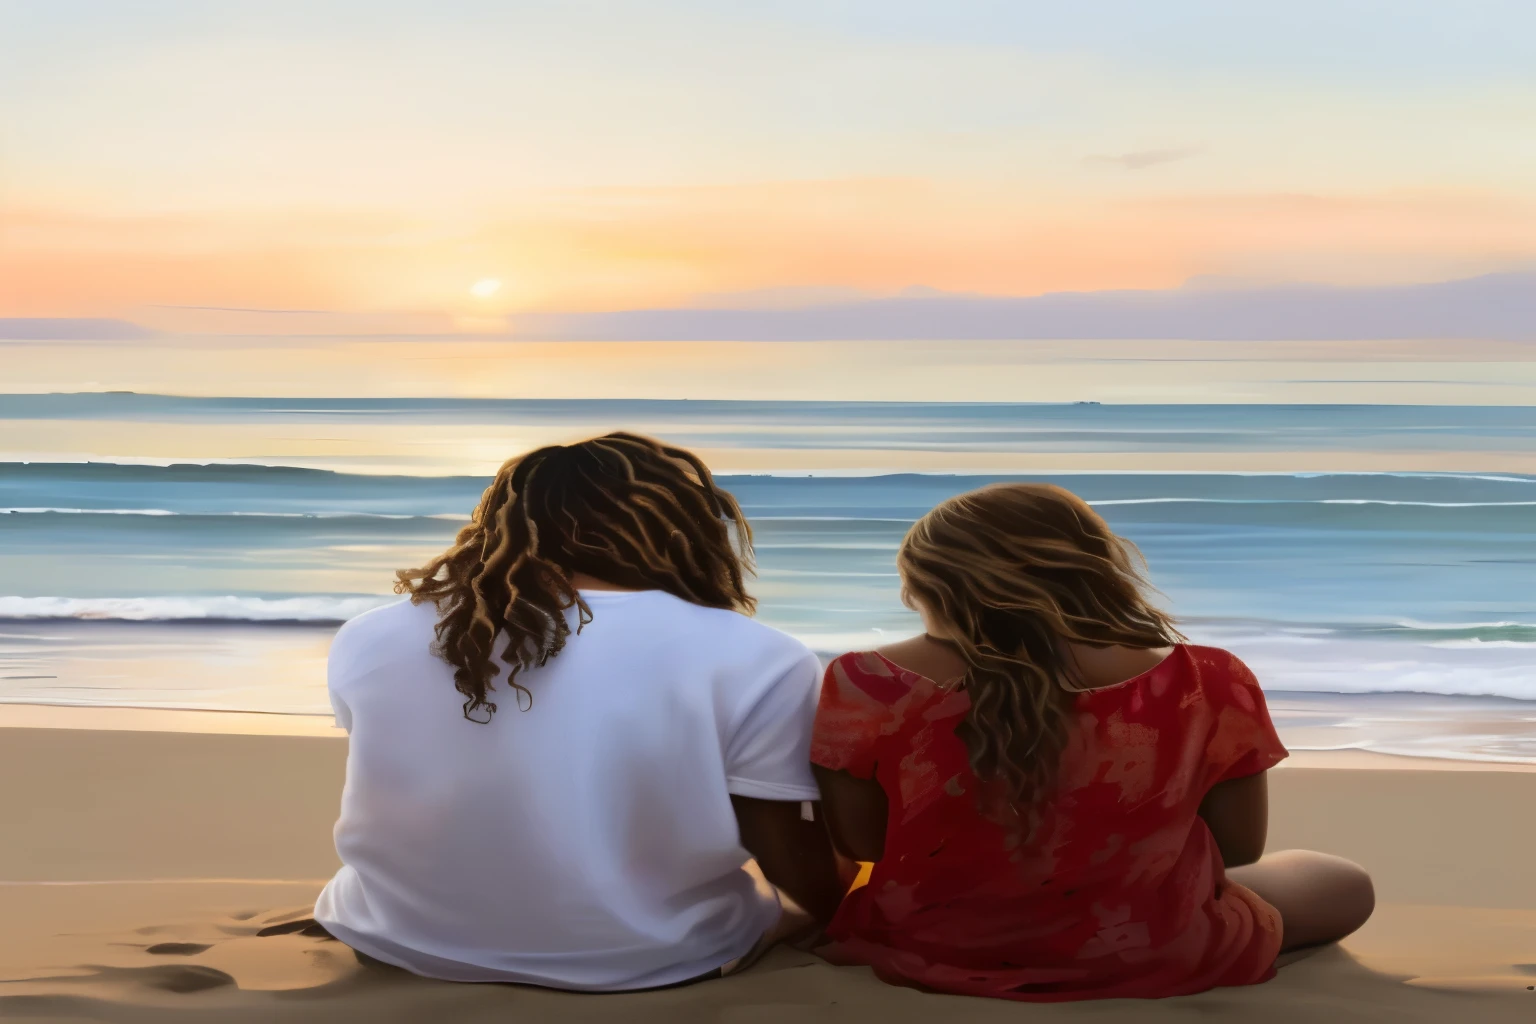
<point>1321,898</point>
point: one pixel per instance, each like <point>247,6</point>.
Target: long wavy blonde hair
<point>625,509</point>
<point>1014,570</point>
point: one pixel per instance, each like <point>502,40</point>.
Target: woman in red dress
<point>1062,800</point>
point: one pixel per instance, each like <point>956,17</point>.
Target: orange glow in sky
<point>454,165</point>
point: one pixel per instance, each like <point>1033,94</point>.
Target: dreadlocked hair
<point>624,509</point>
<point>1013,570</point>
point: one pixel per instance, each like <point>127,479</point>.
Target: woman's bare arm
<point>1237,812</point>
<point>856,811</point>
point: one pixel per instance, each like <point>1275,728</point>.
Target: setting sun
<point>485,288</point>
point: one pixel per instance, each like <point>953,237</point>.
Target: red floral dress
<point>1118,892</point>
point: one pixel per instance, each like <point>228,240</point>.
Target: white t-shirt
<point>587,843</point>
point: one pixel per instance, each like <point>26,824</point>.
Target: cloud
<point>243,309</point>
<point>70,329</point>
<point>1494,307</point>
<point>266,321</point>
<point>1141,159</point>
<point>788,297</point>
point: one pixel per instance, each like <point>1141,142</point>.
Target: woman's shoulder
<point>1217,664</point>
<point>868,700</point>
<point>1194,675</point>
<point>1225,678</point>
<point>1191,674</point>
<point>866,676</point>
<point>877,679</point>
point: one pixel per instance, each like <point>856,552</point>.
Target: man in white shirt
<point>593,834</point>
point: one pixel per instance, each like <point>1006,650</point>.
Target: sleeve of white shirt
<point>769,754</point>
<point>337,665</point>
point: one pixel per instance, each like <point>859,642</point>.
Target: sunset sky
<point>385,158</point>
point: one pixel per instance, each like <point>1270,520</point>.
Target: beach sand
<point>141,855</point>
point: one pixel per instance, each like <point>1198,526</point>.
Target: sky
<point>450,166</point>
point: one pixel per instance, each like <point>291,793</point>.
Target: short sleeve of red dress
<point>1243,740</point>
<point>855,712</point>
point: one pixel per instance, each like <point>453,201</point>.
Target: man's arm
<point>794,854</point>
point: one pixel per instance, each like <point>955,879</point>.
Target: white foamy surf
<point>319,610</point>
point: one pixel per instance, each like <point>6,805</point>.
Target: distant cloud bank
<point>72,329</point>
<point>1495,307</point>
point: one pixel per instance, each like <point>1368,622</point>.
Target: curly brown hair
<point>1014,570</point>
<point>625,509</point>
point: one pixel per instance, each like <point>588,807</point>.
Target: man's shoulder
<point>768,642</point>
<point>385,628</point>
<point>732,629</point>
<point>388,617</point>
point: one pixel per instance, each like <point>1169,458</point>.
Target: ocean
<point>1390,611</point>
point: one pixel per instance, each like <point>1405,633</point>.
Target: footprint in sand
<point>176,978</point>
<point>178,948</point>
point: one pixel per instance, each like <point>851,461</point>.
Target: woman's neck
<point>1098,667</point>
<point>939,659</point>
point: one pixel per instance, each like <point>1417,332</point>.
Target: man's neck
<point>582,581</point>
